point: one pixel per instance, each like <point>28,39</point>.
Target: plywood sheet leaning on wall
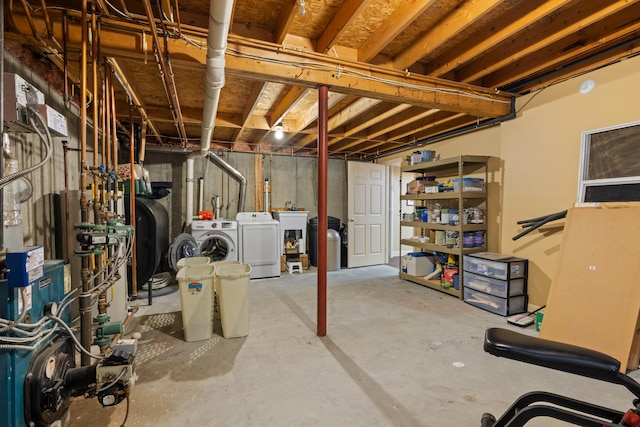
<point>594,301</point>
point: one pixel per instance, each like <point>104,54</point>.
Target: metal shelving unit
<point>451,168</point>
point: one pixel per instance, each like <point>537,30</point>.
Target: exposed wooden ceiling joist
<point>423,68</point>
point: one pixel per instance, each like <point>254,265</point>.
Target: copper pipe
<point>178,17</point>
<point>65,54</point>
<point>85,303</point>
<point>35,33</point>
<point>126,323</point>
<point>114,139</point>
<point>167,76</point>
<point>94,108</point>
<point>132,210</point>
<point>323,162</point>
<point>49,26</point>
<point>106,131</point>
<point>67,219</point>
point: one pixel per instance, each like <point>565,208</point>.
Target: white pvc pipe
<point>189,180</point>
<point>219,21</point>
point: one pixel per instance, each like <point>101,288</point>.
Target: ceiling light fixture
<point>279,133</point>
<point>302,10</point>
<point>587,86</point>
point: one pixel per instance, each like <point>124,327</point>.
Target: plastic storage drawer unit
<point>497,305</point>
<point>497,266</point>
<point>499,288</point>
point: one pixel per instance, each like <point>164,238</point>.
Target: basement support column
<point>323,154</point>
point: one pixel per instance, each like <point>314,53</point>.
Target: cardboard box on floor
<point>594,300</point>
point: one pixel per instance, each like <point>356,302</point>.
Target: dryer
<point>259,242</point>
<point>216,238</point>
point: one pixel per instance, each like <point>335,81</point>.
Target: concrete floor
<point>395,354</point>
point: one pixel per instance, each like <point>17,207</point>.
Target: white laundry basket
<point>234,294</point>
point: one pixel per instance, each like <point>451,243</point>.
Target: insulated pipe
<point>323,161</point>
<point>236,174</point>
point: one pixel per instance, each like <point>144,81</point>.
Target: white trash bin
<point>234,293</point>
<point>196,287</point>
<point>192,262</point>
<point>214,296</point>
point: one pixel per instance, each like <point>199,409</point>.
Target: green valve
<point>99,251</point>
<point>101,319</point>
<point>109,329</point>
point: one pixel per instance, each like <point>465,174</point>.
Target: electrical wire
<point>20,315</point>
<point>45,141</point>
<point>112,383</point>
<point>342,70</point>
<point>126,415</point>
<point>78,346</point>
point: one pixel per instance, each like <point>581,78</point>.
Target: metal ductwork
<point>235,173</point>
<point>219,21</point>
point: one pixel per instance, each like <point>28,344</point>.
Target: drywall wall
<point>535,160</point>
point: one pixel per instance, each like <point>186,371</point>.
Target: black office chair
<point>562,357</point>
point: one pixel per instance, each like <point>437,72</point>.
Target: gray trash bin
<point>333,250</point>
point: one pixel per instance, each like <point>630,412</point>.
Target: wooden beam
<point>285,19</point>
<point>311,115</point>
<point>254,60</point>
<point>261,61</point>
<point>347,12</point>
<point>588,41</point>
<point>508,27</point>
<point>550,33</point>
<point>455,22</point>
<point>401,18</point>
<point>388,120</point>
<point>250,107</point>
<point>353,110</point>
<point>291,98</point>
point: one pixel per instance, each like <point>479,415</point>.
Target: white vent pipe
<point>219,22</point>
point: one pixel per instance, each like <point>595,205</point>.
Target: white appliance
<point>293,230</point>
<point>216,238</point>
<point>259,243</point>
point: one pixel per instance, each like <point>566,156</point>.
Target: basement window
<point>609,164</point>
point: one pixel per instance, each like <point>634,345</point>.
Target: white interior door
<point>367,214</point>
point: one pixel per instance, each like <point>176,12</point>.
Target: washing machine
<point>259,243</point>
<point>216,238</point>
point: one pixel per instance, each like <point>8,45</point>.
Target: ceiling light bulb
<point>302,10</point>
<point>279,133</point>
